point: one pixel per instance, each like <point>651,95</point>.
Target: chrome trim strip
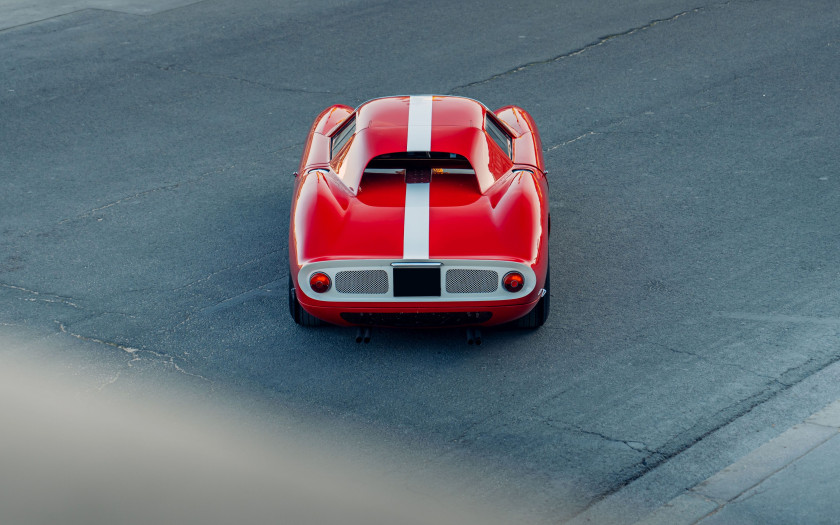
<point>387,171</point>
<point>457,171</point>
<point>416,264</point>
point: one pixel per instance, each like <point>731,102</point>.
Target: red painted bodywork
<point>500,213</point>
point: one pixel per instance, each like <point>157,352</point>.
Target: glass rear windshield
<point>341,137</point>
<point>439,163</point>
<point>498,135</point>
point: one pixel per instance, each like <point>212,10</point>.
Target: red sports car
<point>420,211</point>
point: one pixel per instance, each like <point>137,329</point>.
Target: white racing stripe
<point>419,124</point>
<point>416,229</point>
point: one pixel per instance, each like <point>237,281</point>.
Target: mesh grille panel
<point>471,281</point>
<point>362,281</point>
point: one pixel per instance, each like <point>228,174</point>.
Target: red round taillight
<point>319,282</point>
<point>513,281</point>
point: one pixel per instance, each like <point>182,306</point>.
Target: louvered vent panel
<point>471,281</point>
<point>362,281</point>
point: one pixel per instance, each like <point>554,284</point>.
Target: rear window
<point>498,134</point>
<point>341,137</point>
<point>438,163</point>
<point>386,175</point>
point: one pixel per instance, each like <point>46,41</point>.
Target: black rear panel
<point>416,282</point>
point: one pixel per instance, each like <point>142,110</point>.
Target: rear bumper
<point>373,281</point>
<point>440,315</point>
<point>469,292</point>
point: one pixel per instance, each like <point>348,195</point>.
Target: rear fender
<point>527,147</point>
<point>317,149</point>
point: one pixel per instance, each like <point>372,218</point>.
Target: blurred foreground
<point>71,458</point>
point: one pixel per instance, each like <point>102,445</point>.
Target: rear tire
<point>539,314</point>
<point>300,316</point>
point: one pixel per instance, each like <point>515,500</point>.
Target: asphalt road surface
<point>146,153</point>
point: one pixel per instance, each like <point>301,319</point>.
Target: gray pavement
<point>14,13</point>
<point>693,149</point>
<point>791,479</point>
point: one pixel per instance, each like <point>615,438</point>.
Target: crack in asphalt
<point>261,290</point>
<point>286,148</point>
<point>133,352</point>
<point>780,318</point>
<point>264,290</point>
<point>711,424</point>
<point>51,298</point>
<point>128,349</point>
<point>226,269</point>
<point>91,212</point>
<point>702,357</point>
<point>566,143</point>
<point>143,193</point>
<point>601,41</point>
<point>180,69</point>
<point>43,296</point>
<point>751,492</point>
<point>645,111</point>
<point>463,435</point>
<point>637,446</point>
<point>605,129</point>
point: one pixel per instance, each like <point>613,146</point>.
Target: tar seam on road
<point>74,12</point>
<point>736,411</point>
<point>601,41</point>
<point>736,481</point>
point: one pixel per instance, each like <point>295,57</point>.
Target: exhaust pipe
<point>359,335</point>
<point>366,336</point>
<point>477,336</point>
<point>470,336</point>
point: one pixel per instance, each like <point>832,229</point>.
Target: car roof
<point>448,111</point>
<point>454,125</point>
